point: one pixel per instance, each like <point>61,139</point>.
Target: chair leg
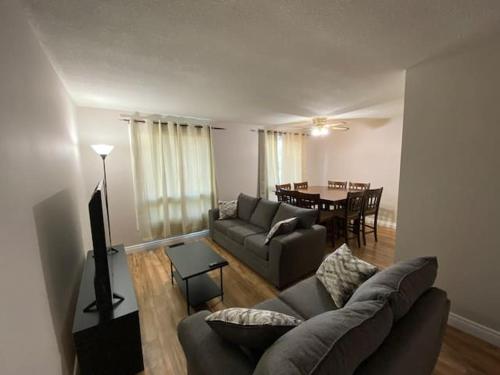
<point>375,227</point>
<point>363,229</point>
<point>357,229</point>
<point>346,232</point>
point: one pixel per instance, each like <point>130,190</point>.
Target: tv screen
<point>100,241</point>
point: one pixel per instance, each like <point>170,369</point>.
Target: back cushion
<point>246,205</point>
<point>263,214</point>
<point>334,342</point>
<point>306,216</point>
<point>403,283</point>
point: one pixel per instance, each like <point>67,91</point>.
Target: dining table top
<point>326,193</point>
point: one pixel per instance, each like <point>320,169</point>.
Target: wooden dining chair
<point>361,186</point>
<point>341,185</point>
<point>314,201</point>
<point>284,187</point>
<point>371,206</point>
<point>300,185</point>
<point>348,218</point>
<point>289,196</point>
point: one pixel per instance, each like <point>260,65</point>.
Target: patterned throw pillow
<point>228,209</point>
<point>253,328</point>
<point>341,273</point>
<point>282,227</point>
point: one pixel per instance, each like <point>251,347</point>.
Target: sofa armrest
<point>213,214</point>
<point>206,352</point>
<point>297,254</point>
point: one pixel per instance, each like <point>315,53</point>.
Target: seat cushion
<point>402,283</point>
<point>335,342</point>
<point>276,304</point>
<point>256,244</point>
<point>239,232</point>
<point>309,298</point>
<point>223,225</point>
<point>246,205</point>
<point>306,216</point>
<point>263,214</point>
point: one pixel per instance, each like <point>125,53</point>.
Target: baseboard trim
<point>165,241</point>
<point>475,329</point>
<point>382,223</point>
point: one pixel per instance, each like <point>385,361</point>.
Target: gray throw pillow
<point>402,284</point>
<point>307,217</point>
<point>253,328</point>
<point>281,227</point>
<point>335,342</point>
<point>341,273</point>
<point>228,209</point>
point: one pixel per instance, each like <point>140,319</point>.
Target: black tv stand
<point>92,307</point>
<point>112,344</point>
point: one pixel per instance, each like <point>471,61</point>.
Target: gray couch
<point>393,324</point>
<point>287,258</point>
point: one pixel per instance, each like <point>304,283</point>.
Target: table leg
<point>187,296</point>
<point>221,286</point>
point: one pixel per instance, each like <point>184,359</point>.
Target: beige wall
<point>235,153</point>
<point>449,202</point>
<point>370,151</point>
<point>41,246</point>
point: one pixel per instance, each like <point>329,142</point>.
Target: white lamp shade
<point>103,150</point>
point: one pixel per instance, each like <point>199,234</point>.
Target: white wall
<point>235,153</point>
<point>449,202</point>
<point>369,152</point>
<point>41,245</point>
<point>236,160</point>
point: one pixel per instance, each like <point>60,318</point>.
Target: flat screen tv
<point>104,296</point>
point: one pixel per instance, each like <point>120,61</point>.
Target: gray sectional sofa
<point>393,324</point>
<point>287,258</point>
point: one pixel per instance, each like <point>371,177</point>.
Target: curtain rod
<point>279,132</point>
<point>165,123</point>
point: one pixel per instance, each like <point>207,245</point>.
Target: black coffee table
<point>192,262</point>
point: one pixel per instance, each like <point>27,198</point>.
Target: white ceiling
<point>260,61</point>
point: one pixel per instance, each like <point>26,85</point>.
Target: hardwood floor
<point>162,307</point>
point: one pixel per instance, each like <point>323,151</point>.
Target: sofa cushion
<point>276,304</point>
<point>253,328</point>
<point>306,216</point>
<point>335,342</point>
<point>256,244</point>
<point>223,225</point>
<point>246,205</point>
<point>309,298</point>
<point>239,232</point>
<point>341,273</point>
<point>263,214</point>
<point>402,283</point>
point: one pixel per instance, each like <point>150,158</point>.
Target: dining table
<point>327,194</point>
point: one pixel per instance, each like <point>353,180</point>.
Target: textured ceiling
<point>261,62</point>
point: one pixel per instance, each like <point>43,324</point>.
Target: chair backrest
<point>288,196</point>
<point>306,200</point>
<point>359,186</point>
<point>280,195</point>
<point>300,185</point>
<point>354,203</point>
<point>372,201</point>
<point>337,185</point>
<point>284,187</point>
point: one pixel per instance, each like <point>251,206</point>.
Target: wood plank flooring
<point>162,306</point>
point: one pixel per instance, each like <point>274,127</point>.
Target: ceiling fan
<point>321,126</point>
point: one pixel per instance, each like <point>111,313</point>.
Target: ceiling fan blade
<point>341,128</point>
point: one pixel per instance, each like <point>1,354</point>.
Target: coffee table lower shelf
<point>197,289</point>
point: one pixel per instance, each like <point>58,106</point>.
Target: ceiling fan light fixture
<point>318,131</point>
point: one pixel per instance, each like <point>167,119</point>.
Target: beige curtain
<point>174,178</point>
<point>282,161</point>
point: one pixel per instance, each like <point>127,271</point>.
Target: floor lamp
<point>103,151</point>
